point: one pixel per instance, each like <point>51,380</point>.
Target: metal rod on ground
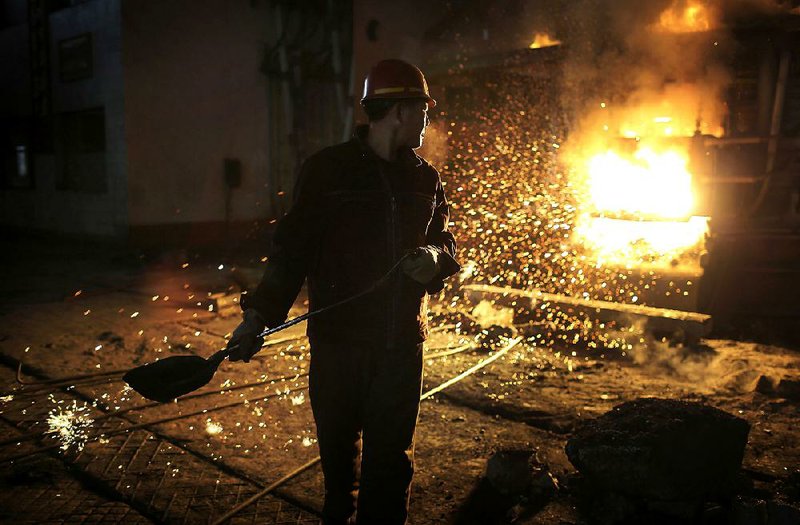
<point>266,490</point>
<point>452,351</point>
<point>158,422</point>
<point>441,328</point>
<point>57,380</point>
<point>34,435</point>
<point>202,411</point>
<point>37,389</point>
<point>511,344</point>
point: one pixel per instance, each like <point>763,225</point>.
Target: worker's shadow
<point>485,505</point>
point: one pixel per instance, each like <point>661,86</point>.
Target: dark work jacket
<point>354,215</point>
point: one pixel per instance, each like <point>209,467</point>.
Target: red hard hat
<point>396,79</point>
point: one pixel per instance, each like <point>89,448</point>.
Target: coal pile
<point>659,455</point>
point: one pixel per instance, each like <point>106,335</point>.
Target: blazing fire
<point>638,207</point>
<point>685,16</point>
<point>543,40</point>
<point>650,184</point>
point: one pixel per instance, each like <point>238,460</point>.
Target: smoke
<point>661,57</point>
<point>713,369</point>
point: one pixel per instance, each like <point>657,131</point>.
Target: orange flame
<point>650,183</point>
<point>686,16</point>
<point>638,207</point>
<point>543,40</point>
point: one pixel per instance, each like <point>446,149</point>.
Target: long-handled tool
<point>166,379</point>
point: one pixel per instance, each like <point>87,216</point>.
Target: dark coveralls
<point>354,215</point>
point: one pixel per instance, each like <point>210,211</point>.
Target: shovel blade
<point>169,378</point>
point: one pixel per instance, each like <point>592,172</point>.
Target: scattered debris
<point>784,387</point>
<point>508,471</point>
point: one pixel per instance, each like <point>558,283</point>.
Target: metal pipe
<point>774,132</point>
<point>348,116</point>
<point>336,60</point>
<point>269,488</point>
<point>777,109</point>
<point>283,60</point>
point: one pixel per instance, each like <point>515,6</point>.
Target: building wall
<point>15,78</point>
<point>397,32</point>
<point>194,96</point>
<point>45,206</point>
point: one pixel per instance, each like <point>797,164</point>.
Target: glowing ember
<point>543,40</point>
<point>299,399</point>
<point>213,428</point>
<point>70,425</point>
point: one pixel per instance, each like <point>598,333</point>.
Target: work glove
<point>246,337</point>
<point>422,264</point>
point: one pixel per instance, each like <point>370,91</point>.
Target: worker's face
<point>413,118</point>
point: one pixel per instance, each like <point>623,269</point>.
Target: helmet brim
<point>401,96</point>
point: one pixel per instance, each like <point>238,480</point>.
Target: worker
<point>359,208</point>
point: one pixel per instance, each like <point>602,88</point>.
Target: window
<point>75,58</point>
<point>81,151</point>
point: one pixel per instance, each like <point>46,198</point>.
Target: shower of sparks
<point>518,214</point>
<point>70,425</point>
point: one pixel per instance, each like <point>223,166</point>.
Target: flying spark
<point>70,425</point>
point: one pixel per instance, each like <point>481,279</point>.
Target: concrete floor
<point>73,308</point>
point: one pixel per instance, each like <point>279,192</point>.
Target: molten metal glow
<point>629,242</point>
<point>639,207</point>
<point>543,40</point>
<point>685,16</point>
<point>649,184</point>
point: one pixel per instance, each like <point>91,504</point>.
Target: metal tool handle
<point>217,358</point>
